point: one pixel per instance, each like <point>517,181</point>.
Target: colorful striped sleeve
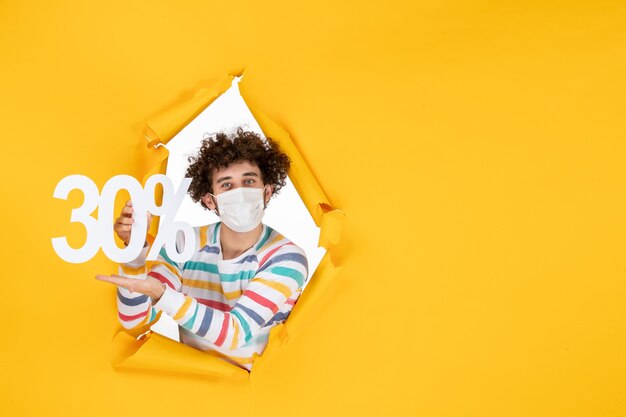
<point>135,309</point>
<point>277,279</point>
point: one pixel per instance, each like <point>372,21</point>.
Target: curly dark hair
<point>221,150</point>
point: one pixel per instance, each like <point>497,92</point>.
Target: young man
<point>243,279</point>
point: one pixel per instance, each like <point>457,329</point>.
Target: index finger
<point>114,279</point>
<point>127,211</point>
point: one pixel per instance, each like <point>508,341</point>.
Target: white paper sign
<point>100,231</point>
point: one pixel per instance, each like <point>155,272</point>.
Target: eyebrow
<point>246,174</point>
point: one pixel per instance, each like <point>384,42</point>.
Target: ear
<point>268,192</point>
<point>208,201</point>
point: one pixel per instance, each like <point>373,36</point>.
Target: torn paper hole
<point>286,211</point>
<point>158,353</point>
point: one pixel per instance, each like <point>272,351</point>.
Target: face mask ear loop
<point>214,202</point>
<point>264,203</point>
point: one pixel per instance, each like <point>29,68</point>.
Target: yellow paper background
<point>478,150</point>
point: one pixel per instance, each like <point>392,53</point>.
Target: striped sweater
<point>224,307</point>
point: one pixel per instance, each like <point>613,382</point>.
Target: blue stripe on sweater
<point>210,249</point>
<point>206,322</point>
<point>295,257</point>
<point>278,317</point>
<point>131,301</point>
<point>249,258</point>
<point>253,314</point>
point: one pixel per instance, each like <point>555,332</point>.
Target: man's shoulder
<point>206,234</point>
<point>281,252</point>
<point>277,243</point>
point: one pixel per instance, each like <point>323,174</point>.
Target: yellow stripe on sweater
<point>170,267</point>
<point>203,236</point>
<point>213,286</point>
<point>282,288</point>
<point>129,270</point>
<point>233,345</point>
<point>271,242</point>
<point>184,308</point>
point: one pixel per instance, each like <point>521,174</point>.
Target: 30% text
<point>100,230</point>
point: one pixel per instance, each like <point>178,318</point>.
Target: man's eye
<point>225,184</point>
<point>250,181</point>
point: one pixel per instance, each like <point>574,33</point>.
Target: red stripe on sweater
<point>270,253</point>
<point>161,278</point>
<point>214,304</point>
<point>259,299</point>
<point>131,318</point>
<point>222,337</point>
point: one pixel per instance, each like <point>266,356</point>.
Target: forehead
<point>235,170</point>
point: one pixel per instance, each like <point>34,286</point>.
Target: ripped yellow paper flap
<point>161,354</point>
<point>165,125</point>
<point>277,340</point>
<point>158,353</point>
<point>330,228</point>
<point>327,218</point>
<point>300,174</point>
<point>316,291</point>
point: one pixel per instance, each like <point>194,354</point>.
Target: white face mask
<point>241,209</point>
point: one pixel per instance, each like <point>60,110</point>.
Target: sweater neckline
<point>218,243</point>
